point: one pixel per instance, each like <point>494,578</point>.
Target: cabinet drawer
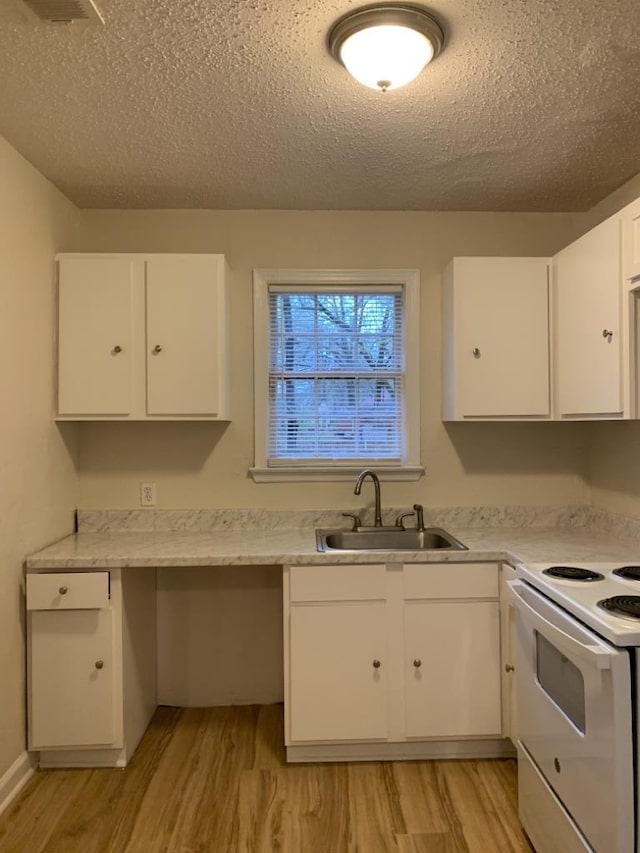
<point>68,591</point>
<point>472,580</point>
<point>338,583</point>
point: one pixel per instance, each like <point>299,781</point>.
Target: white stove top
<point>581,597</point>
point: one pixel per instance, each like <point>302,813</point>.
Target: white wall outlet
<point>147,494</point>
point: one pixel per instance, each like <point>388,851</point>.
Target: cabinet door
<point>95,336</point>
<point>501,337</point>
<point>508,653</point>
<point>587,288</point>
<point>631,240</point>
<point>184,303</point>
<point>71,679</point>
<point>336,690</point>
<point>452,669</point>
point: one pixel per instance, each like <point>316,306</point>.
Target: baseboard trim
<point>57,758</point>
<point>15,778</point>
<point>401,751</point>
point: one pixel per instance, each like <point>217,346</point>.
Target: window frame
<point>409,280</point>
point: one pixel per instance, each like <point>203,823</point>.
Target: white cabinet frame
<point>590,327</point>
<point>143,337</point>
<point>495,330</point>
<point>91,665</point>
<point>382,605</point>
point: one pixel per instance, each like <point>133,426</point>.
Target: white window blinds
<point>336,374</point>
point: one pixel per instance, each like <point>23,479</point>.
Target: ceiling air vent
<point>64,11</point>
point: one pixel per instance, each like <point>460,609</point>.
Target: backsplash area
<point>199,521</point>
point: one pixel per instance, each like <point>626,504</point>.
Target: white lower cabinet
<point>452,675</point>
<point>392,656</point>
<point>337,665</point>
<point>91,665</point>
<point>72,680</point>
<point>508,651</point>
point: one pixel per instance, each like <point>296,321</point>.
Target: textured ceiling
<point>533,105</point>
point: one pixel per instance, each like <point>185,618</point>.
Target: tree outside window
<point>336,373</point>
<point>335,383</point>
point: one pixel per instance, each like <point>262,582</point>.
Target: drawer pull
<point>63,590</point>
<point>376,664</point>
<point>99,664</point>
<point>417,663</point>
<point>508,667</point>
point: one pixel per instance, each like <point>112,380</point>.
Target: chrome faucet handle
<point>401,517</point>
<point>419,517</point>
<point>376,484</point>
<point>356,519</point>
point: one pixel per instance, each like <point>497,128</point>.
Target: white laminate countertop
<point>277,547</point>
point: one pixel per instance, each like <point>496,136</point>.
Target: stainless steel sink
<point>387,539</point>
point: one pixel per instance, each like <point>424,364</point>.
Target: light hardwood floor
<point>214,780</point>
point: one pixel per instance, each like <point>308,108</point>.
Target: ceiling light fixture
<point>386,45</point>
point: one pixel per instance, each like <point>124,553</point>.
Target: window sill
<point>390,474</point>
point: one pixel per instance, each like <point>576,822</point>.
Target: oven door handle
<point>594,652</point>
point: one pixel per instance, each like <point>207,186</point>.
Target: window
<point>336,384</point>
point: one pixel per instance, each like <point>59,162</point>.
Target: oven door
<point>575,720</point>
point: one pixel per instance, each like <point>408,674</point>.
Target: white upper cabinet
<point>588,330</point>
<point>183,338</point>
<point>496,339</point>
<point>95,334</point>
<point>631,240</point>
<point>143,337</point>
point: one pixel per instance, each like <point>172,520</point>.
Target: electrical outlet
<point>147,494</point>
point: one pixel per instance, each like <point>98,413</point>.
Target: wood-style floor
<point>215,781</point>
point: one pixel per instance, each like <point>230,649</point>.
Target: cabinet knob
<point>157,349</point>
<point>99,664</point>
<point>63,590</point>
<point>117,349</point>
<point>606,333</point>
<point>376,664</point>
<point>417,663</point>
<point>476,352</point>
<point>508,667</point>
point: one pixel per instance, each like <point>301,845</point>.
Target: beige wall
<point>614,473</point>
<point>204,465</point>
<point>37,473</point>
<point>47,471</point>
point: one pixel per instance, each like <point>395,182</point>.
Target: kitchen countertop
<point>290,546</point>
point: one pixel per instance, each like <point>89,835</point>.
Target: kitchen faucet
<point>376,484</point>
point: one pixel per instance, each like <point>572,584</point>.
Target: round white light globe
<point>387,56</point>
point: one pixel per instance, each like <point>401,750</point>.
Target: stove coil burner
<point>573,573</point>
<point>630,573</point>
<point>622,605</point>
